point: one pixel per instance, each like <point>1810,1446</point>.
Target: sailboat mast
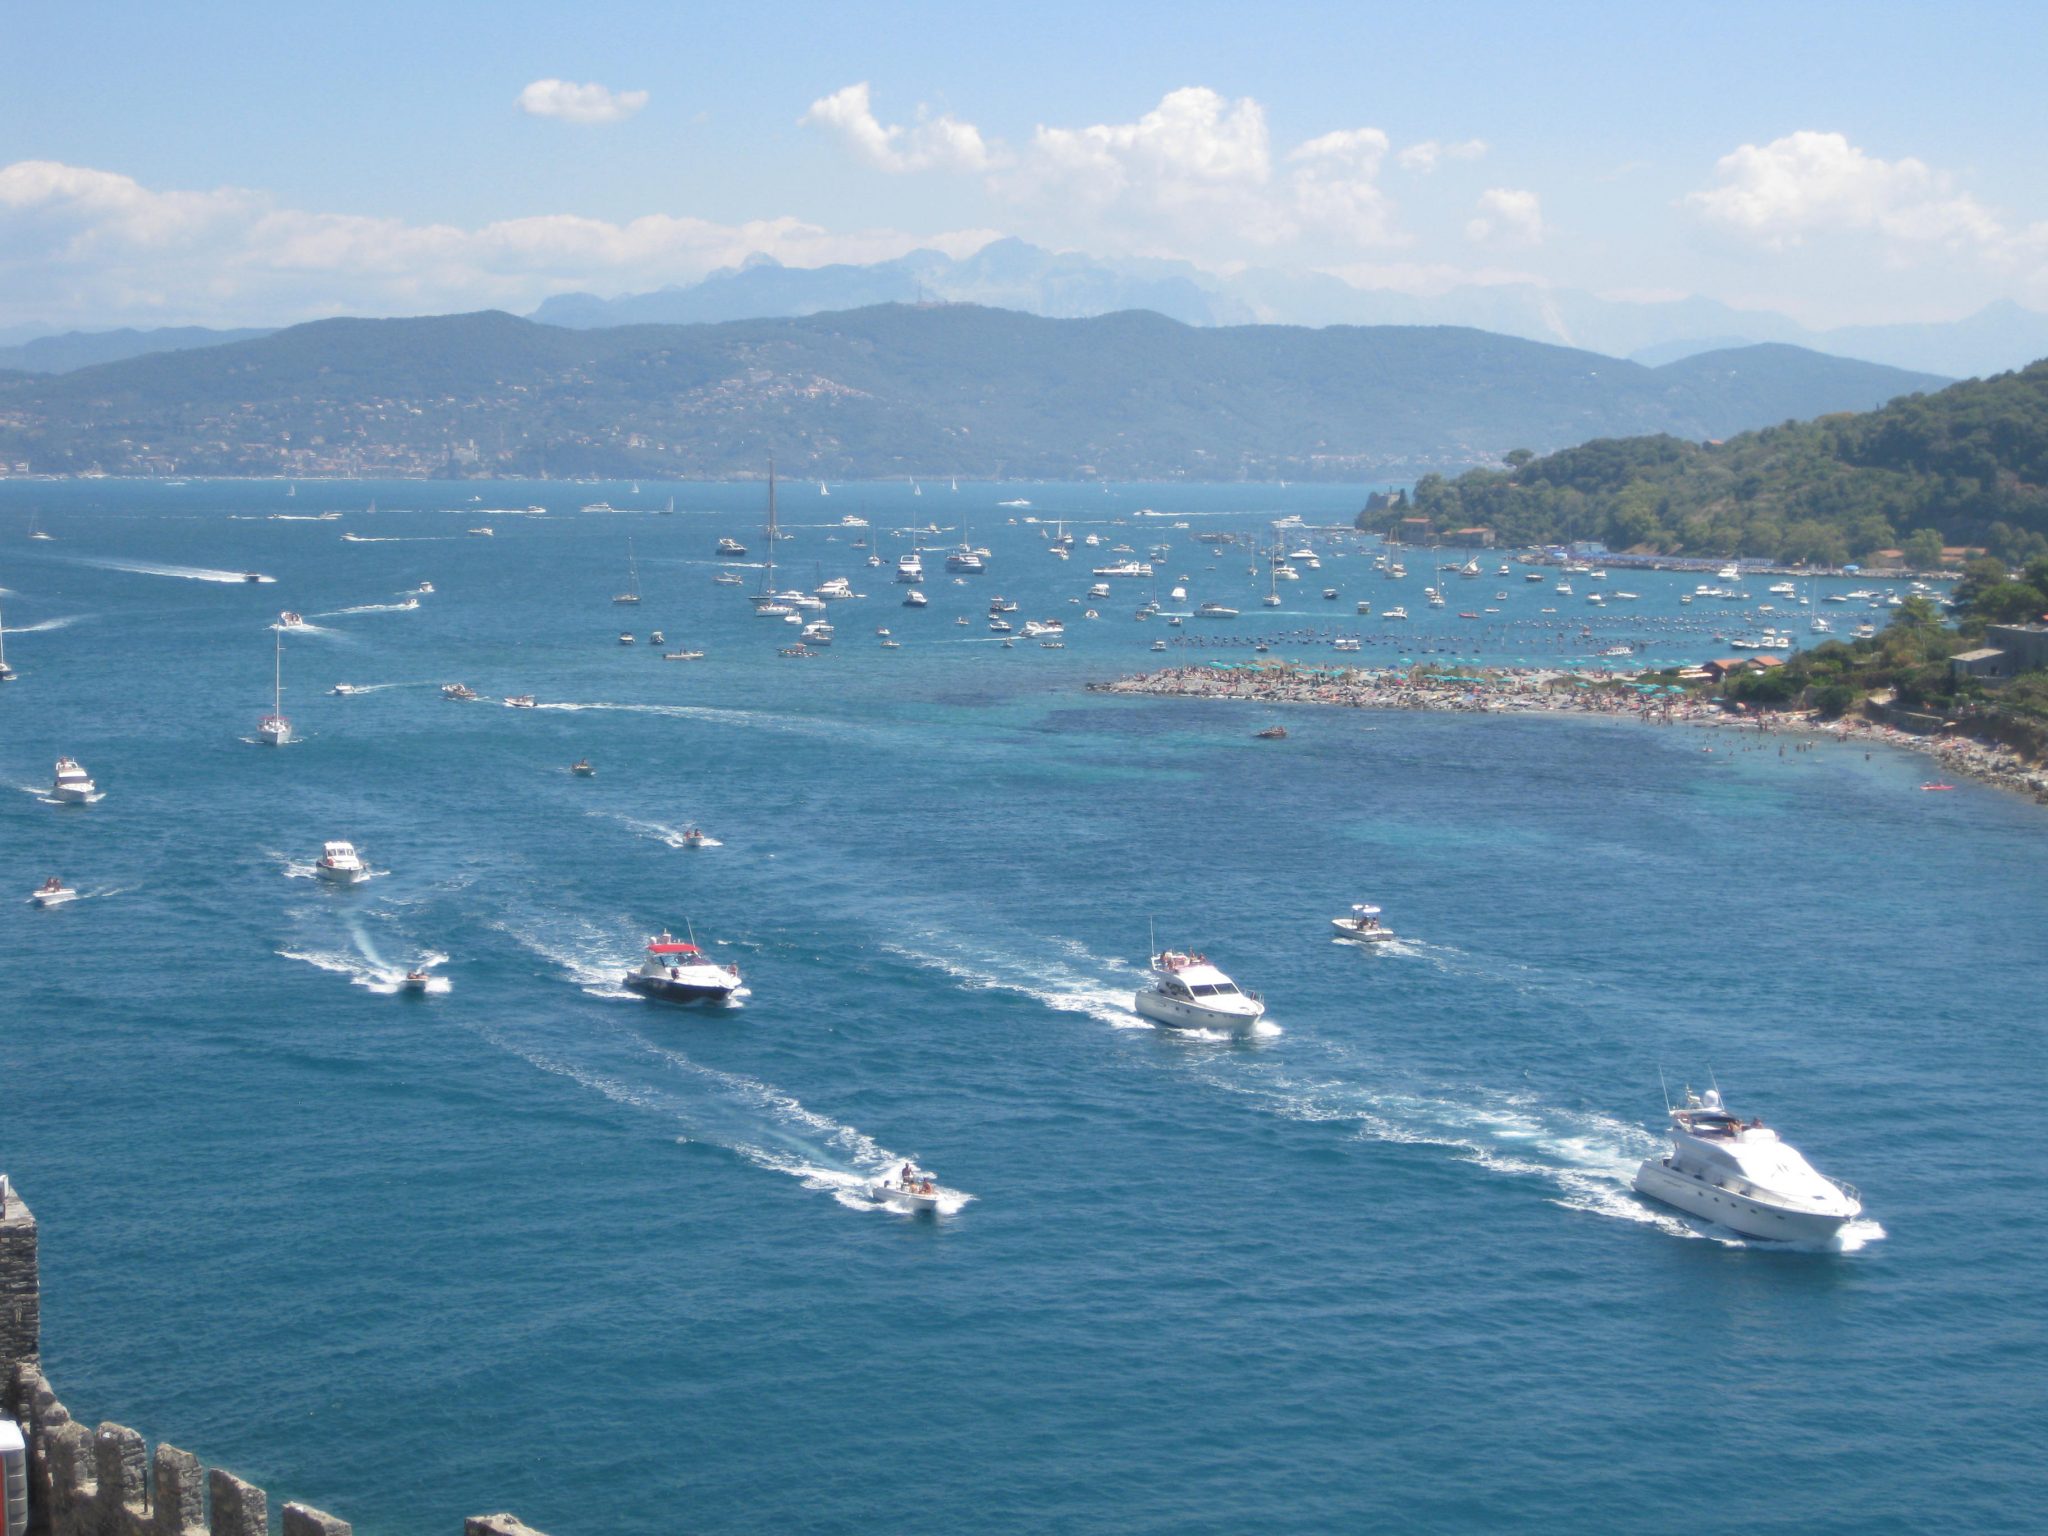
<point>277,675</point>
<point>768,581</point>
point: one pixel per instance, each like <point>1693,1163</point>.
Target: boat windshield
<point>1214,989</point>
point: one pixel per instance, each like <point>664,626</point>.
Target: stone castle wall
<point>105,1481</point>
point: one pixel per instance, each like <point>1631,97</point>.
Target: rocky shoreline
<point>1525,691</point>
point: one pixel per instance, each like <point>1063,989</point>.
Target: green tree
<point>1922,548</point>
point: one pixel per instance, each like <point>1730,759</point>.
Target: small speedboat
<point>481,533</point>
<point>53,892</point>
<point>290,620</point>
<point>416,981</point>
<point>1363,925</point>
<point>1743,1176</point>
<point>656,637</point>
<point>73,785</point>
<point>1187,992</point>
<point>1271,733</point>
<point>675,972</point>
<point>340,864</point>
<point>910,1186</point>
<point>457,691</point>
<point>693,836</point>
<point>682,655</point>
<point>345,689</point>
<point>582,769</point>
<point>915,599</point>
<point>521,701</point>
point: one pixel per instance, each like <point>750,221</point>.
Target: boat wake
<point>46,625</point>
<point>182,572</point>
<point>336,613</point>
<point>304,627</point>
<point>1062,988</point>
<point>383,980</point>
<point>43,794</point>
<point>671,837</point>
<point>594,958</point>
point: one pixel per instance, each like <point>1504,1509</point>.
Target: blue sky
<point>237,163</point>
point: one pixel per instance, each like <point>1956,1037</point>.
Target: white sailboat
<point>274,730</point>
<point>632,592</point>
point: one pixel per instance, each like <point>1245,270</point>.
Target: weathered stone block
<point>180,1504</point>
<point>121,1469</point>
<point>20,1289</point>
<point>304,1520</point>
<point>235,1508</point>
<point>497,1525</point>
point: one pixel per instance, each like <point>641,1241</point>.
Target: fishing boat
<point>73,785</point>
<point>1744,1176</point>
<point>676,972</point>
<point>632,592</point>
<point>273,730</point>
<point>53,892</point>
<point>582,769</point>
<point>1187,992</point>
<point>1362,925</point>
<point>908,1186</point>
<point>340,864</point>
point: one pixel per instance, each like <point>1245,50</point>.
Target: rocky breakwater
<point>105,1481</point>
<point>1485,691</point>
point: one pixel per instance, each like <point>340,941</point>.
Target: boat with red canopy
<point>676,972</point>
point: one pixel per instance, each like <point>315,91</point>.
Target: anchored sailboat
<point>274,730</point>
<point>632,592</point>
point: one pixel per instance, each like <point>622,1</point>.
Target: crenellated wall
<point>105,1481</point>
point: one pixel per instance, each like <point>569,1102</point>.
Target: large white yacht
<point>340,863</point>
<point>675,972</point>
<point>1742,1176</point>
<point>1124,568</point>
<point>731,549</point>
<point>1187,992</point>
<point>73,784</point>
<point>909,568</point>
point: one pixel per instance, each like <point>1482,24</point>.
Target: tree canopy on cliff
<point>1965,466</point>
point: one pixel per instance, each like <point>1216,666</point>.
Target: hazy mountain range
<point>1012,274</point>
<point>891,390</point>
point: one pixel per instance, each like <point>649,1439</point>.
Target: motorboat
<point>1187,992</point>
<point>582,769</point>
<point>340,864</point>
<point>1395,613</point>
<point>1742,1175</point>
<point>1330,594</point>
<point>452,691</point>
<point>820,633</point>
<point>1215,611</point>
<point>682,655</point>
<point>290,620</point>
<point>53,892</point>
<point>345,689</point>
<point>835,590</point>
<point>521,701</point>
<point>693,837</point>
<point>1100,589</point>
<point>731,549</point>
<point>675,972</point>
<point>1271,733</point>
<point>1035,628</point>
<point>482,533</point>
<point>656,637</point>
<point>908,1185</point>
<point>1158,645</point>
<point>726,579</point>
<point>73,785</point>
<point>1362,925</point>
<point>1124,568</point>
<point>999,626</point>
<point>424,589</point>
<point>1364,607</point>
<point>914,599</point>
<point>626,639</point>
<point>909,568</point>
<point>966,560</point>
<point>417,981</point>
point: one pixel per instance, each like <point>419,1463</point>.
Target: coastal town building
<point>2014,648</point>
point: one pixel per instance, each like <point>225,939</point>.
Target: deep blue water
<point>534,1245</point>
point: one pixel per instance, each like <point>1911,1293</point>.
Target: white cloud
<point>1506,216</point>
<point>91,247</point>
<point>573,103</point>
<point>1427,155</point>
<point>934,143</point>
<point>1809,183</point>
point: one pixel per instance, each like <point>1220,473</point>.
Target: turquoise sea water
<point>532,1244</point>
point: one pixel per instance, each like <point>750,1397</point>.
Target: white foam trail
<point>183,572</point>
<point>1057,987</point>
<point>47,624</point>
<point>592,958</point>
<point>304,628</point>
<point>335,613</point>
<point>660,832</point>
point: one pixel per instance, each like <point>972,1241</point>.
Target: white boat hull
<point>72,794</point>
<point>1349,928</point>
<point>1176,1014</point>
<point>1697,1196</point>
<point>53,898</point>
<point>890,1194</point>
<point>336,876</point>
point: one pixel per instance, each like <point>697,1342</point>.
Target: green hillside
<point>890,390</point>
<point>1966,466</point>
